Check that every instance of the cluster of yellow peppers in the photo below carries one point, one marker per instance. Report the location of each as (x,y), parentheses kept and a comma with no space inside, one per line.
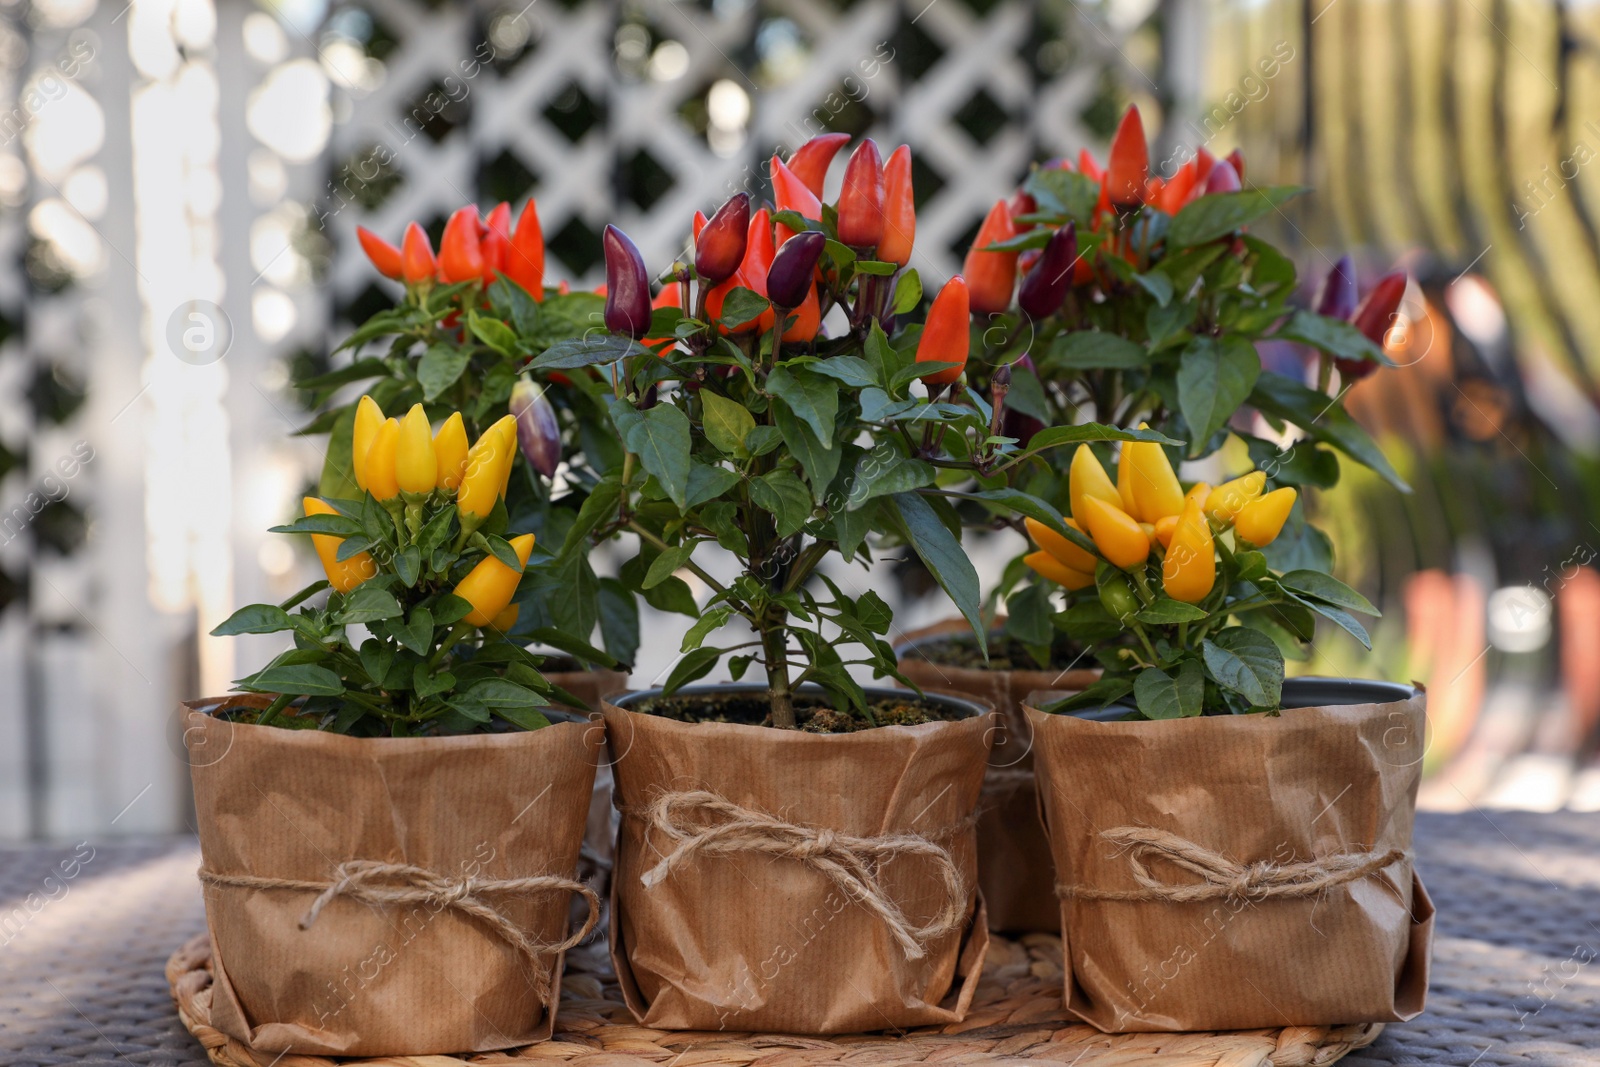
(403,464)
(1147,509)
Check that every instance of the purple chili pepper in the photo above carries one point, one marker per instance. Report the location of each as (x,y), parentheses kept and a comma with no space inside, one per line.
(627,286)
(789,277)
(1044,288)
(537,432)
(1337,298)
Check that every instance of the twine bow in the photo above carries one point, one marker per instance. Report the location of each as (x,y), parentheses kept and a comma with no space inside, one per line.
(388,884)
(1221,877)
(702,822)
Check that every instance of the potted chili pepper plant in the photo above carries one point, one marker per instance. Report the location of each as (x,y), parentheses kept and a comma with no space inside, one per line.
(827,827)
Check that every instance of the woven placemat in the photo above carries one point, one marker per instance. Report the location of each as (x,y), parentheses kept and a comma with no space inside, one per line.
(1016,1015)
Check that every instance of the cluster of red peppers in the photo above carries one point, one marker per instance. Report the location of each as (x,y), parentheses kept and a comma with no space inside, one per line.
(470,249)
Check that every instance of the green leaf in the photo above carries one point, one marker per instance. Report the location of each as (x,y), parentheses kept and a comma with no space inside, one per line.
(810,396)
(1096,350)
(694,665)
(875,266)
(786,496)
(301,679)
(1209,217)
(1333,336)
(851,370)
(1213,380)
(873,612)
(1161,696)
(417,633)
(668,563)
(818,460)
(449,609)
(439,368)
(743,306)
(1321,417)
(501,549)
(1157,285)
(1168,612)
(1097,695)
(579,649)
(1089,432)
(1247,662)
(619,621)
(726,422)
(588,351)
(470,706)
(1324,587)
(661,439)
(599,508)
(494,333)
(376,659)
(525,718)
(943,555)
(369,603)
(885,472)
(1064,192)
(1338,617)
(337,525)
(408,565)
(707,482)
(360,370)
(427,684)
(704,627)
(255,619)
(907,293)
(338,480)
(503,693)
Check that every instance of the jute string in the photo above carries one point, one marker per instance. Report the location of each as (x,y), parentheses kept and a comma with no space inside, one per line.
(1221,877)
(392,884)
(701,822)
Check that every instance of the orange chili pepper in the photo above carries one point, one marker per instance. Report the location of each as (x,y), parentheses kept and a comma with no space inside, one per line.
(947,334)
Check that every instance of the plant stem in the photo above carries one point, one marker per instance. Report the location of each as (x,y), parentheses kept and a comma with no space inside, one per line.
(457,632)
(279,702)
(694,568)
(776,652)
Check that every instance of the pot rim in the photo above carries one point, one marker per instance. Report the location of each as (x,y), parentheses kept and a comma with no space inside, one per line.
(969,707)
(1303,691)
(913,644)
(209,706)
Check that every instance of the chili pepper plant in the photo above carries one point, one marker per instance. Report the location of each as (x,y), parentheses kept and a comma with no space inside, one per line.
(748,428)
(459,339)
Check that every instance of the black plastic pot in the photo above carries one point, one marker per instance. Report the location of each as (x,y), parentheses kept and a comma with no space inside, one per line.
(964,709)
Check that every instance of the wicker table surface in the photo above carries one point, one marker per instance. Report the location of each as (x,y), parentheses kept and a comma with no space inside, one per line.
(1516,978)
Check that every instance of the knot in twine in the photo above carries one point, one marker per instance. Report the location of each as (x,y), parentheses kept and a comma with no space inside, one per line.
(703,822)
(389,884)
(1221,877)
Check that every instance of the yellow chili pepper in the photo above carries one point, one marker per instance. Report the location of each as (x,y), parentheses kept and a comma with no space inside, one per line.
(1060,547)
(506,619)
(382,479)
(1116,533)
(1152,481)
(1046,565)
(1149,529)
(1190,568)
(416,468)
(343,574)
(485,474)
(450,453)
(369,418)
(1259,521)
(1226,499)
(508,431)
(1125,480)
(1086,477)
(1164,528)
(490,585)
(1198,492)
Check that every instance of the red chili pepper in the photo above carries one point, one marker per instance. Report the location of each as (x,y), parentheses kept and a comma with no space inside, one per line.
(899,209)
(1374,318)
(1023,203)
(460,252)
(810,161)
(1026,260)
(416,256)
(861,198)
(1236,158)
(807,319)
(698,224)
(1337,298)
(1222,179)
(1088,167)
(758,254)
(1130,162)
(719,246)
(1203,162)
(1180,190)
(789,193)
(525,256)
(947,334)
(991,275)
(385,256)
(496,242)
(627,285)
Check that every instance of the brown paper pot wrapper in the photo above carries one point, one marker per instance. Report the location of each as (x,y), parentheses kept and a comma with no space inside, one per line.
(752,941)
(592,687)
(1014,867)
(1316,783)
(368,980)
